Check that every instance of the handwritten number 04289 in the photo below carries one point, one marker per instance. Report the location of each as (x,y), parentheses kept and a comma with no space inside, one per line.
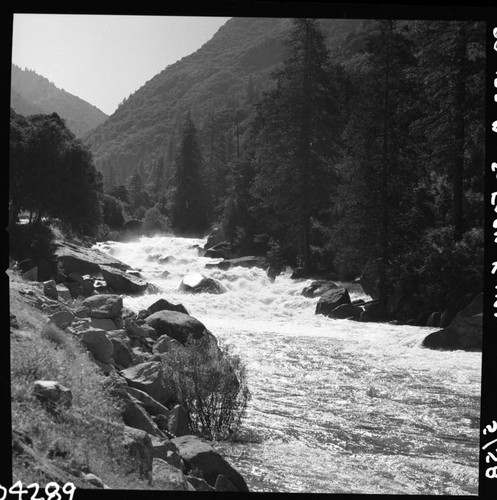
(51,489)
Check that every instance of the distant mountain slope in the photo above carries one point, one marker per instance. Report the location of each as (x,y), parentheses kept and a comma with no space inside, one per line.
(228,72)
(32,93)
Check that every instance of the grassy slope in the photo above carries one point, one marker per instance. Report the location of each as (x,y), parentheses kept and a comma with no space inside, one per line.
(85,438)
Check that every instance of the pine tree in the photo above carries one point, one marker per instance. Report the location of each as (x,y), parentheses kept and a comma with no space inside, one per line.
(300,124)
(135,189)
(188,214)
(451,55)
(379,172)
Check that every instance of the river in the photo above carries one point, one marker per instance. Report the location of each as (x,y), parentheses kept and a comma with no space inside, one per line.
(337,406)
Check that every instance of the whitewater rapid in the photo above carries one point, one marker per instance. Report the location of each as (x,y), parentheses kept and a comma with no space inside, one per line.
(337,406)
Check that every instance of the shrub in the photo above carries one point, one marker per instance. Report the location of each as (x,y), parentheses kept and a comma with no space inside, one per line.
(213,390)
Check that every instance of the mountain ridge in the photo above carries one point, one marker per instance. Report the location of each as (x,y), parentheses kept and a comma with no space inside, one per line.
(32,93)
(215,78)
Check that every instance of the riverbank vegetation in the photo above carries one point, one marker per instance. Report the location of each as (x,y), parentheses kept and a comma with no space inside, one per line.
(65,444)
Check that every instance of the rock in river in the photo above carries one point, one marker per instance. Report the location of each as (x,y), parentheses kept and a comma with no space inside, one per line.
(199,455)
(464,332)
(331,300)
(198,283)
(176,325)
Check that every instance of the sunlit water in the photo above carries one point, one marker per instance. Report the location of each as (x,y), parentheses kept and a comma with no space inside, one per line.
(337,406)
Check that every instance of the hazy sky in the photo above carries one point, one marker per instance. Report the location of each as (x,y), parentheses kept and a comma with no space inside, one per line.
(103,59)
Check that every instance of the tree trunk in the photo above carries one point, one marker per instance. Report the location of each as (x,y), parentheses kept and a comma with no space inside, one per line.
(383,288)
(458,166)
(305,155)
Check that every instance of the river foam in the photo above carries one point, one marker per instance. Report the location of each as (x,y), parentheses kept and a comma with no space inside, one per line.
(338,406)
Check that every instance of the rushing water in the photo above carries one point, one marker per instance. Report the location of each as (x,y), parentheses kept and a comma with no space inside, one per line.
(337,406)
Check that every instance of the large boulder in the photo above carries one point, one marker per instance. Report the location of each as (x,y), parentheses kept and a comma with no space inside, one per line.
(198,283)
(201,457)
(103,306)
(148,377)
(331,300)
(139,446)
(463,333)
(176,325)
(72,258)
(97,342)
(167,477)
(318,288)
(122,281)
(164,305)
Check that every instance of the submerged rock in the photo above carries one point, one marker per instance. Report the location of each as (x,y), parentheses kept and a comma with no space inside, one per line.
(198,283)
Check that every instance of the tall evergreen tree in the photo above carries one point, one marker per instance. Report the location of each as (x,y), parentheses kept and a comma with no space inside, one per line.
(188,214)
(452,59)
(300,124)
(383,171)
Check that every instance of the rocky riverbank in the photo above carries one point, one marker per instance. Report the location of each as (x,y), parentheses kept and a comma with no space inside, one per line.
(84,303)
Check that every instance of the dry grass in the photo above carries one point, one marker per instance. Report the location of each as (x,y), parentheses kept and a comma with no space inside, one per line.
(86,437)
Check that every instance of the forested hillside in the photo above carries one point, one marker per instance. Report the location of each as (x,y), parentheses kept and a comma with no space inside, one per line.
(31,93)
(218,84)
(342,147)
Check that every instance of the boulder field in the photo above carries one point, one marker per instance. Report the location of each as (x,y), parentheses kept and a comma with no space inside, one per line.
(129,349)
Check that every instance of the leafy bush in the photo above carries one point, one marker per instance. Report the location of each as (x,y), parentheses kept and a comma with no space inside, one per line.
(212,389)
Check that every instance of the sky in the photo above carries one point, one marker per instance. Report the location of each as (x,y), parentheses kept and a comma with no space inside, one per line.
(104,58)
